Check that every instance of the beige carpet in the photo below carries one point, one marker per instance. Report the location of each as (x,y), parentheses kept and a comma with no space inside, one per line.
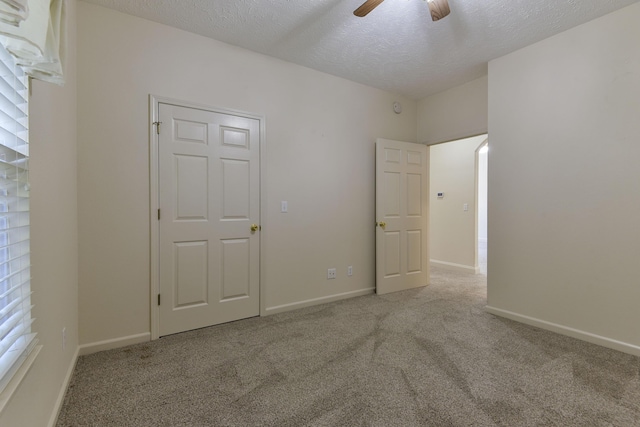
(427,357)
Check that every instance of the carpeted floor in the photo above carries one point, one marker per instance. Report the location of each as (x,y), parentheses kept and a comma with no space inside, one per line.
(427,357)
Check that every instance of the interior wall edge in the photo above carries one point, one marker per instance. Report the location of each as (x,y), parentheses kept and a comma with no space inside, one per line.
(455,266)
(63,389)
(563,181)
(318,301)
(456,113)
(110,344)
(459,135)
(566,330)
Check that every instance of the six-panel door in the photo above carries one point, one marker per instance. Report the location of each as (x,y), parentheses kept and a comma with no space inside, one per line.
(401,216)
(209,199)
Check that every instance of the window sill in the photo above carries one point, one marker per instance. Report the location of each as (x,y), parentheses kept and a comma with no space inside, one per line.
(14,383)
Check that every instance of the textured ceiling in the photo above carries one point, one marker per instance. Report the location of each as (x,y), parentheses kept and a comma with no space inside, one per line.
(396,47)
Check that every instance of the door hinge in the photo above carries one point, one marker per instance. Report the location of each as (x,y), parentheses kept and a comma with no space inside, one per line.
(158,299)
(158,214)
(157,127)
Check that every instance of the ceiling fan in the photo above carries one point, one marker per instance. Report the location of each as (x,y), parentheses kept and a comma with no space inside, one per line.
(439,8)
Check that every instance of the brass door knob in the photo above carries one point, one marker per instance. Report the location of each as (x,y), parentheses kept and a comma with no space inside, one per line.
(254,227)
(382,224)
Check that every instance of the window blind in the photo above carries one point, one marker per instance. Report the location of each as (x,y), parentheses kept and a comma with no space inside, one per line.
(16,338)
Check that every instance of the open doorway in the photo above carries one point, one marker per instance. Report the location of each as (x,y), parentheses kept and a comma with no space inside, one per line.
(457,205)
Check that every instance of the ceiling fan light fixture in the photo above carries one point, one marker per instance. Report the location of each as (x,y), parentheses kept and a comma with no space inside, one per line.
(439,9)
(366,7)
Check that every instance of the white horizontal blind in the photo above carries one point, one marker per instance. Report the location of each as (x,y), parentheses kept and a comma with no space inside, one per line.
(16,339)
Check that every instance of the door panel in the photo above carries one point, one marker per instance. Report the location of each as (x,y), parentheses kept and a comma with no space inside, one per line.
(414,195)
(191,131)
(192,271)
(236,189)
(208,182)
(391,194)
(402,216)
(414,251)
(235,137)
(192,190)
(235,269)
(392,254)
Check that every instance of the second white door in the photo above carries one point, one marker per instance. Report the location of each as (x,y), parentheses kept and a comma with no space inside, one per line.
(402,210)
(209,234)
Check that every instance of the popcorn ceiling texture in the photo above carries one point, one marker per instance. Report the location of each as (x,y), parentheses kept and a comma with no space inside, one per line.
(395,48)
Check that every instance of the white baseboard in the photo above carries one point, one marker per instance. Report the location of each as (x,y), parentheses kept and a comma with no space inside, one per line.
(454,265)
(63,390)
(114,343)
(564,330)
(317,301)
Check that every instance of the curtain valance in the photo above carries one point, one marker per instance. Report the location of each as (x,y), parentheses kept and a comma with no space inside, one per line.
(13,11)
(33,32)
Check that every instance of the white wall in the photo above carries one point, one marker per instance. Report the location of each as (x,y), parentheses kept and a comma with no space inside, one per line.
(54,247)
(452,230)
(453,114)
(564,235)
(321,132)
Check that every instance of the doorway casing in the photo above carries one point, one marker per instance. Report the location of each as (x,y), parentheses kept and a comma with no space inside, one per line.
(154,102)
(478,206)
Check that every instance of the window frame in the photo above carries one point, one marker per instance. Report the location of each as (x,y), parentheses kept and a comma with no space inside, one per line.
(18,343)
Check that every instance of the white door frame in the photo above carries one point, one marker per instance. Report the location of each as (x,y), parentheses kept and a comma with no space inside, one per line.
(476,227)
(154,105)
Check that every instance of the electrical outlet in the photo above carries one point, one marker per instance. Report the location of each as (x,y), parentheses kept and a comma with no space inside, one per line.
(64,338)
(350,271)
(331,273)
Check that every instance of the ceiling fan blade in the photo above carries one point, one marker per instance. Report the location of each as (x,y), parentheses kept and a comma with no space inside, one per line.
(367,7)
(439,9)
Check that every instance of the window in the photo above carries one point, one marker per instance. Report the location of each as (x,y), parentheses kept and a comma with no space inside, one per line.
(16,338)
